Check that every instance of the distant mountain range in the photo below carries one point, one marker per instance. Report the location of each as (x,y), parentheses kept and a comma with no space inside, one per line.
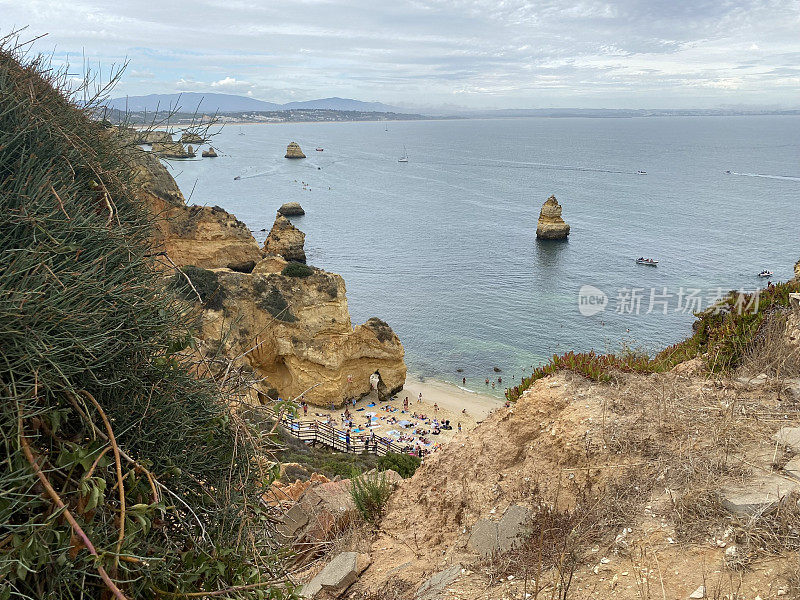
(189,102)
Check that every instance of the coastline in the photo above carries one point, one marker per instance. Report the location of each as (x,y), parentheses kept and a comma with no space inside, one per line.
(450,397)
(440,400)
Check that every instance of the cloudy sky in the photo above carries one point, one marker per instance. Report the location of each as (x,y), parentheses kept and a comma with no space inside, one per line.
(473,53)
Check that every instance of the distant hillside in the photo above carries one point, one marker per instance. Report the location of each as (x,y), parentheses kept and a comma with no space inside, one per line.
(188,102)
(341,104)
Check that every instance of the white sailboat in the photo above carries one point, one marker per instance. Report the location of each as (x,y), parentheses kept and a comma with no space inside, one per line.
(403,158)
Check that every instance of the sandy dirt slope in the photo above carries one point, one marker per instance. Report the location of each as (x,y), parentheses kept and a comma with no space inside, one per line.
(644,460)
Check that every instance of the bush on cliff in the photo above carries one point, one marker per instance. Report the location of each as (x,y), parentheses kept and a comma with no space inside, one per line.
(203,282)
(370,492)
(404,464)
(723,335)
(296,269)
(123,474)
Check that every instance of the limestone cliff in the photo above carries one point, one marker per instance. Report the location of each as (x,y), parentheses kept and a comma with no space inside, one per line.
(551,226)
(149,138)
(203,236)
(293,151)
(286,240)
(298,328)
(300,336)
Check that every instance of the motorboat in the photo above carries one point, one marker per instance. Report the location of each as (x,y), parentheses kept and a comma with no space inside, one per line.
(320,149)
(641,172)
(765,273)
(646,261)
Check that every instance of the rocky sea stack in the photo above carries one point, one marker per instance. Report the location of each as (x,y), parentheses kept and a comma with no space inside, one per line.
(293,151)
(286,240)
(191,138)
(551,226)
(148,138)
(172,150)
(291,209)
(210,153)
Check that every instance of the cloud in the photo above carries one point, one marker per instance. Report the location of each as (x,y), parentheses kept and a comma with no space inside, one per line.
(512,53)
(231,84)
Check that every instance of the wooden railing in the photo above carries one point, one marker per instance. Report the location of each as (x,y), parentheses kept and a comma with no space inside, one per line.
(317,432)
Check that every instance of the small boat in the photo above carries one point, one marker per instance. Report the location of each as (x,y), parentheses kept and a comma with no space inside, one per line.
(765,273)
(237,178)
(646,261)
(403,158)
(727,172)
(641,172)
(320,149)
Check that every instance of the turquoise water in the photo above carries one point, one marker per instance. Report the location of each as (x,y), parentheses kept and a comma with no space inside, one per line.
(443,247)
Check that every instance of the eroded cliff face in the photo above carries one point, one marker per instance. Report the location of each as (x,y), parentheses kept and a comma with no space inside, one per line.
(294,332)
(207,237)
(551,226)
(299,336)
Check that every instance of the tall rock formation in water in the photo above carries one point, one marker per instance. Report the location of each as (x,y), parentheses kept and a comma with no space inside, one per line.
(551,226)
(293,151)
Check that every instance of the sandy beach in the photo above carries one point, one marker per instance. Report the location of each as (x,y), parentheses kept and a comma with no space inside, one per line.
(441,401)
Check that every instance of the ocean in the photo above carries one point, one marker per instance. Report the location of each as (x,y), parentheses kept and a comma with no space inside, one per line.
(444,247)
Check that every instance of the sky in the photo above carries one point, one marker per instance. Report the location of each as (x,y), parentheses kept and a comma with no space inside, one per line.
(412,53)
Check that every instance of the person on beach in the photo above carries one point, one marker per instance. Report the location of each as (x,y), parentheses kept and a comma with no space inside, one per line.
(405,404)
(435,407)
(464,381)
(305,409)
(419,400)
(347,439)
(459,427)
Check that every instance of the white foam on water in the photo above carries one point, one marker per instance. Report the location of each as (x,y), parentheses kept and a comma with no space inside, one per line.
(782,177)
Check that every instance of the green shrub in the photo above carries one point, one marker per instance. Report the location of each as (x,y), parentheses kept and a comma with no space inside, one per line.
(271,300)
(90,342)
(370,493)
(724,332)
(404,464)
(297,269)
(204,281)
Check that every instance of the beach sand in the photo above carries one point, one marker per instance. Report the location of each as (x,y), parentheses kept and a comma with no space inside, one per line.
(450,399)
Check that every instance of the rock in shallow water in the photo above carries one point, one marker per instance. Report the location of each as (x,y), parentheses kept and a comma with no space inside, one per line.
(291,209)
